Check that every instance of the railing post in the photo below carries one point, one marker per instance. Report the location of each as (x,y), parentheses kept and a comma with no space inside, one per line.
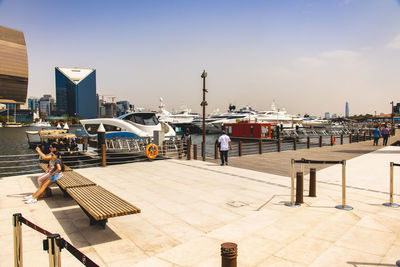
(299,188)
(365,136)
(54,250)
(331,140)
(391,204)
(216,151)
(358,137)
(320,141)
(17,237)
(308,142)
(350,138)
(188,149)
(103,155)
(279,145)
(344,206)
(180,148)
(341,139)
(164,148)
(313,183)
(260,147)
(292,170)
(228,254)
(240,148)
(195,152)
(370,134)
(294,143)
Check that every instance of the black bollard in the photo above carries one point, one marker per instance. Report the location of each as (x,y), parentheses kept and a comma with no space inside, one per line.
(313,183)
(299,188)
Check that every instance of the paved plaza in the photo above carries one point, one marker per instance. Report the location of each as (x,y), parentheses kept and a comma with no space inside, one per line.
(190,207)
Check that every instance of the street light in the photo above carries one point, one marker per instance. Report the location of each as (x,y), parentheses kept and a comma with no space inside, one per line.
(204,104)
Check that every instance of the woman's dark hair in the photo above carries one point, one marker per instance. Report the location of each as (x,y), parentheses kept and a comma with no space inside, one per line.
(58,154)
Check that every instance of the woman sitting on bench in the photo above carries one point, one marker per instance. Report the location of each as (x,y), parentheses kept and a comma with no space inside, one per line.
(55,174)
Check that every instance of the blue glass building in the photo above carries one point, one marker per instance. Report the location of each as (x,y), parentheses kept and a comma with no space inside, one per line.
(76,92)
(347,110)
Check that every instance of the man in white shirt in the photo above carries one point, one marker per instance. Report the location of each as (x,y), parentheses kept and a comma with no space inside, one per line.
(224,144)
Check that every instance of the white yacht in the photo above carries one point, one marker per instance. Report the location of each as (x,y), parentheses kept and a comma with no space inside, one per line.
(307,122)
(180,119)
(40,123)
(133,124)
(278,116)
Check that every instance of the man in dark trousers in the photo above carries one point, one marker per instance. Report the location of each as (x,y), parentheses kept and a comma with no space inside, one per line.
(186,138)
(224,144)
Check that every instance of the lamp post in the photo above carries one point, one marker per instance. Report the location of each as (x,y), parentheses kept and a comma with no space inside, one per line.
(204,104)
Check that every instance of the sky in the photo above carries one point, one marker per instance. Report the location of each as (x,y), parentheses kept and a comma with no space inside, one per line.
(309,56)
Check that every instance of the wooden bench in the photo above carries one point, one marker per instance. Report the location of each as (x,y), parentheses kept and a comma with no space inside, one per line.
(100,204)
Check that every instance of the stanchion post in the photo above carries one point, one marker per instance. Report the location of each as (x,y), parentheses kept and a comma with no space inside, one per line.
(308,142)
(260,147)
(229,254)
(299,188)
(54,250)
(17,237)
(391,204)
(313,183)
(195,152)
(294,143)
(344,206)
(341,139)
(103,155)
(188,149)
(240,148)
(292,171)
(320,141)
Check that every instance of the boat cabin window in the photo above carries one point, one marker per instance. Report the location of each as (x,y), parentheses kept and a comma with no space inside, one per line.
(111,128)
(92,128)
(143,118)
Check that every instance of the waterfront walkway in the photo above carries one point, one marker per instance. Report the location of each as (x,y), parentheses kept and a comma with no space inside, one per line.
(190,207)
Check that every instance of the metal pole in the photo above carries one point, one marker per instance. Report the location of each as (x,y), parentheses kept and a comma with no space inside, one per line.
(188,149)
(204,104)
(313,183)
(391,204)
(228,255)
(103,155)
(344,206)
(54,250)
(392,117)
(17,237)
(292,171)
(240,148)
(308,142)
(195,152)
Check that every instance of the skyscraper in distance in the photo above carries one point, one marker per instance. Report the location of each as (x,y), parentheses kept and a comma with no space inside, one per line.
(347,110)
(76,92)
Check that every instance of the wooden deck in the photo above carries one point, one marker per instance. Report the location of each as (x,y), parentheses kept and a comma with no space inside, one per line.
(279,162)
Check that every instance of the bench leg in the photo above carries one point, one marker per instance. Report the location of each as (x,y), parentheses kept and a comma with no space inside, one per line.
(93,221)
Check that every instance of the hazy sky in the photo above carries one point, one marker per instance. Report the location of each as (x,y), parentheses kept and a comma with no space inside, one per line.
(310,56)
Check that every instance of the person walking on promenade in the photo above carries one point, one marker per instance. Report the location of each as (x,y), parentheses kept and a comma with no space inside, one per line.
(385,134)
(55,174)
(376,134)
(51,157)
(224,144)
(186,138)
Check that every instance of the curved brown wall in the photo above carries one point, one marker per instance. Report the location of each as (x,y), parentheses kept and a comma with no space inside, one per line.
(13,65)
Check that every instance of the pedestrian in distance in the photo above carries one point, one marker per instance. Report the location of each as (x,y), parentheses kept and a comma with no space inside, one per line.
(54,175)
(186,139)
(385,135)
(376,133)
(224,144)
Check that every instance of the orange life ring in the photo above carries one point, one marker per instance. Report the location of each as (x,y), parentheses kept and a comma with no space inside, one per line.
(333,139)
(151,151)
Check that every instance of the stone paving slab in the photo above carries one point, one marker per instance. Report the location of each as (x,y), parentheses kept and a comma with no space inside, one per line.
(190,207)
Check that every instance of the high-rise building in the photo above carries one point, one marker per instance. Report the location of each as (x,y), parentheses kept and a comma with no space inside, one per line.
(46,105)
(13,67)
(33,104)
(123,107)
(347,110)
(327,115)
(76,92)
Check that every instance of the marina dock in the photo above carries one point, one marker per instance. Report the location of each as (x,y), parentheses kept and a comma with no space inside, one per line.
(190,207)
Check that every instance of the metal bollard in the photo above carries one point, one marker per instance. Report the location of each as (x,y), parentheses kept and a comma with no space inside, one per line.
(341,139)
(260,147)
(51,244)
(299,188)
(350,137)
(188,150)
(313,183)
(391,204)
(308,142)
(344,206)
(294,143)
(240,148)
(103,155)
(17,237)
(279,145)
(195,152)
(292,170)
(228,254)
(320,141)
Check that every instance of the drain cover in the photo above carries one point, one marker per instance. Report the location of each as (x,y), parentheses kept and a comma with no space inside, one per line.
(237,204)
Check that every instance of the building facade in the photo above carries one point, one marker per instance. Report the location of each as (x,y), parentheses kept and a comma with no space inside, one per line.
(76,92)
(347,110)
(13,66)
